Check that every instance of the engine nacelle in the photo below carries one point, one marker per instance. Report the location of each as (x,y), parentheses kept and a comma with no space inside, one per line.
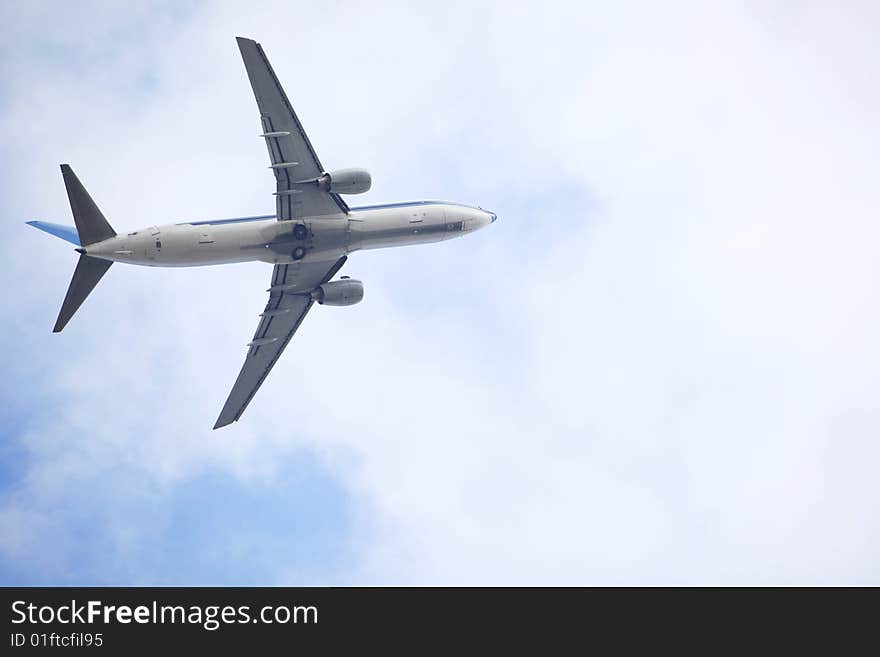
(346,181)
(344,292)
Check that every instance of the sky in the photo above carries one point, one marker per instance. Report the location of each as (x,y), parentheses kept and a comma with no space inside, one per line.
(659,366)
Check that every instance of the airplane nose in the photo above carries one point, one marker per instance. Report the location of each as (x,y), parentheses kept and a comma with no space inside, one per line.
(492,217)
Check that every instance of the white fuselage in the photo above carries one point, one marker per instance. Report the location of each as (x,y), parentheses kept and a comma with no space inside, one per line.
(263,238)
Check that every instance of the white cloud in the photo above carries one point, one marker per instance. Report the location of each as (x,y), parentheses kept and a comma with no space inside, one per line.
(658,366)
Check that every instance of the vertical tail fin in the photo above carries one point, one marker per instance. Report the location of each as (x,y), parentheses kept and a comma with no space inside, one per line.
(90,222)
(92,227)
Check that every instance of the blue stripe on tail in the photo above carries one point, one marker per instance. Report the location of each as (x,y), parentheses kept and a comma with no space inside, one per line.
(67,233)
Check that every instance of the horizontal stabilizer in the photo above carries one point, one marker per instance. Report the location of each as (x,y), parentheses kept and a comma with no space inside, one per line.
(85,277)
(90,222)
(67,233)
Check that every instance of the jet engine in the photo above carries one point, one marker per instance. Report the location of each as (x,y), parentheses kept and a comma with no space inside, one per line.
(345,181)
(344,292)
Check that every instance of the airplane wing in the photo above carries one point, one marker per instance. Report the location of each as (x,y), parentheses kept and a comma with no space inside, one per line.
(289,302)
(292,156)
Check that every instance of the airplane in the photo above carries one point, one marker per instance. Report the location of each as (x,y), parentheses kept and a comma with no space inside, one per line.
(308,239)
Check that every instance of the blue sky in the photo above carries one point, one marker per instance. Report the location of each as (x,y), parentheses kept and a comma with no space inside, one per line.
(658,366)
